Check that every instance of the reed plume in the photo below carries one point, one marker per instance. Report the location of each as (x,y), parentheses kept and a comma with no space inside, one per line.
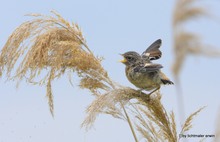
(188,42)
(50,47)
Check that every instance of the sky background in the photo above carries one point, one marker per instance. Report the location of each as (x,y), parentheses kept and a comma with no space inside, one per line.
(110,27)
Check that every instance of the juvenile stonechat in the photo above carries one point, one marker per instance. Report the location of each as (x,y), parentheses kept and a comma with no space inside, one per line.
(141,72)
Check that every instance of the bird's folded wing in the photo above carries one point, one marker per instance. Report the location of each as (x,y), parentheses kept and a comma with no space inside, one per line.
(149,67)
(153,52)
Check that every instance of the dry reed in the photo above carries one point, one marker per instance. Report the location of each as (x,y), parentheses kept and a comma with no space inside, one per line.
(51,44)
(188,123)
(186,42)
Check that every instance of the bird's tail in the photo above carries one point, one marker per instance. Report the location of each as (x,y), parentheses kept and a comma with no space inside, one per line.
(164,79)
(167,82)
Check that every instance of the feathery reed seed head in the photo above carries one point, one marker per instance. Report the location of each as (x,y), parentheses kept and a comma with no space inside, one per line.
(49,42)
(186,42)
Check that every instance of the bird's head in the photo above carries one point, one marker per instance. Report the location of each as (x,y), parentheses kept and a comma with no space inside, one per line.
(130,58)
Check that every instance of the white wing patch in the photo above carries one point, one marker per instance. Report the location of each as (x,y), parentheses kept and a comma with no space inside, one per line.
(147,64)
(147,54)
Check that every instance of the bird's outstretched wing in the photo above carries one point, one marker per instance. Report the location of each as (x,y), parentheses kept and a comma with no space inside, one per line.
(153,52)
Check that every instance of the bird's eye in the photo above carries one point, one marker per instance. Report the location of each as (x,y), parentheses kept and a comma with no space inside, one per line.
(130,58)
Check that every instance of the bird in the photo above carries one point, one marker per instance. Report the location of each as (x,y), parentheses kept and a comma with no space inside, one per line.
(140,70)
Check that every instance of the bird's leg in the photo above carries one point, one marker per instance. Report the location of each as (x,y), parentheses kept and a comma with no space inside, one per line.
(154,91)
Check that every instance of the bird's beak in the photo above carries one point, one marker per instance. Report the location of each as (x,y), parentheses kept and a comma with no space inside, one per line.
(123,61)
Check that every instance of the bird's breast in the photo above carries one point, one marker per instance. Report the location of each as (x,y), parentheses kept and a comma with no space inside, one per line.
(147,81)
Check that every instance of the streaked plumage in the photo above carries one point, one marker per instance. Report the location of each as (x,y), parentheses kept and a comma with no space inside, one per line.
(141,72)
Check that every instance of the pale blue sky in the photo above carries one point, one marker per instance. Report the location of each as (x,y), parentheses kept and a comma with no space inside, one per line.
(110,27)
